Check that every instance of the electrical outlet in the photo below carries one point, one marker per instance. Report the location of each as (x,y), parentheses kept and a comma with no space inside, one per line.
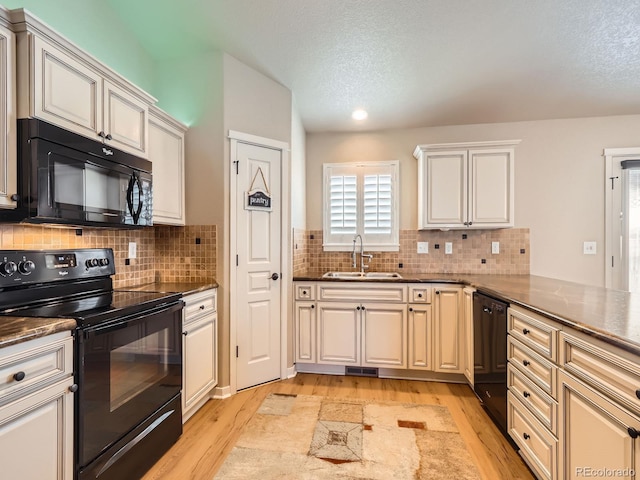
(423,247)
(589,248)
(133,247)
(495,247)
(448,248)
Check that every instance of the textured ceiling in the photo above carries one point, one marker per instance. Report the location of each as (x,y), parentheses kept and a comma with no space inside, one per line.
(416,63)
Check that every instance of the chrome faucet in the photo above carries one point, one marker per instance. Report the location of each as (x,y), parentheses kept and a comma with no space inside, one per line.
(362,255)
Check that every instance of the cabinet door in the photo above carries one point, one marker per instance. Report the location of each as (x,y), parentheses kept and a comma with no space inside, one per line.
(166,151)
(199,360)
(420,337)
(305,332)
(595,434)
(491,180)
(468,334)
(448,329)
(8,175)
(125,120)
(65,92)
(444,189)
(384,335)
(338,333)
(36,435)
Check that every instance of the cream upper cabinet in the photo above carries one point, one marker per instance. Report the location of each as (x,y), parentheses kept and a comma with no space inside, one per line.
(166,152)
(466,185)
(8,136)
(448,329)
(71,89)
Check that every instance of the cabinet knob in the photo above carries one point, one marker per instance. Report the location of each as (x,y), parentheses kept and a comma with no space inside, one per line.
(18,377)
(101,134)
(313,306)
(638,393)
(470,223)
(201,307)
(526,394)
(108,137)
(526,436)
(73,388)
(633,433)
(410,309)
(437,292)
(419,295)
(466,223)
(526,363)
(185,333)
(363,307)
(358,308)
(526,331)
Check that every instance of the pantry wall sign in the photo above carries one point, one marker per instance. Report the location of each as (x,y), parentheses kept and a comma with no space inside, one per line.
(258,198)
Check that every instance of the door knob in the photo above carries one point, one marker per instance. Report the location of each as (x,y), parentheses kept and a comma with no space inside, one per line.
(275,276)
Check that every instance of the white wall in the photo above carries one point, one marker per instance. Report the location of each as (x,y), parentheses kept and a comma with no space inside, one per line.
(559,180)
(298,171)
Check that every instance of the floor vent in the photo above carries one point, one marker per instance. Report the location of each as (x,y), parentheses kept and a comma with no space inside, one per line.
(362,371)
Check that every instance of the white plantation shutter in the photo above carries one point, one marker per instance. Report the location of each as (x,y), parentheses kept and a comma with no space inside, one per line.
(361,199)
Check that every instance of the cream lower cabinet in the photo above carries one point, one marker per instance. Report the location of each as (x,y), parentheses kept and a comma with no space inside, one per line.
(70,89)
(448,328)
(339,333)
(305,332)
(420,320)
(36,412)
(200,334)
(8,135)
(166,152)
(596,434)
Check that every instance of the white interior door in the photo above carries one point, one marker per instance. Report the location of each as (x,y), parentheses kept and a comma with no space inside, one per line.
(258,249)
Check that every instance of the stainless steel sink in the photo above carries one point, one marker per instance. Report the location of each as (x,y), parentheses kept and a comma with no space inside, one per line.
(362,276)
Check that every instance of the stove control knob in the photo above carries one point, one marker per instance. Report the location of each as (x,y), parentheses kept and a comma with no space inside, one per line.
(26,267)
(92,262)
(104,262)
(8,268)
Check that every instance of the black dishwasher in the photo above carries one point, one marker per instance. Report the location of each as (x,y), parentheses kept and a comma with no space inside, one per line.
(490,356)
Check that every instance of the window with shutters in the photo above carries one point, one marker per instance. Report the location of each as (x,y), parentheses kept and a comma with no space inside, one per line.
(361,199)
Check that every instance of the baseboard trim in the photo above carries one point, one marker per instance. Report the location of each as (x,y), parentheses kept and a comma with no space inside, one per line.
(318,368)
(220,393)
(291,371)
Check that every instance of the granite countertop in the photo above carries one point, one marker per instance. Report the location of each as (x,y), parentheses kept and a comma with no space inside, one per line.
(22,329)
(185,288)
(610,315)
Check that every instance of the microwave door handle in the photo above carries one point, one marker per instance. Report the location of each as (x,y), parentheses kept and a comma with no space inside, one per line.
(136,214)
(130,194)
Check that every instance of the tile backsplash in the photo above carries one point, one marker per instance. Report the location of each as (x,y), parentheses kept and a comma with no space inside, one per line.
(157,249)
(471,253)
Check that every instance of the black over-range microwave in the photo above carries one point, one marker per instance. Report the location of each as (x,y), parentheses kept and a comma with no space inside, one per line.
(65,178)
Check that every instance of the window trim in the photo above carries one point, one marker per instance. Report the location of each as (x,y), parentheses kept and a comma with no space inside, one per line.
(394,244)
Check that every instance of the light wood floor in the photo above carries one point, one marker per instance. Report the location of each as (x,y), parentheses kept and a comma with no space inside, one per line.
(210,434)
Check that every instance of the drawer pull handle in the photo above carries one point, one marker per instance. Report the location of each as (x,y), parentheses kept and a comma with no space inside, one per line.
(526,436)
(18,377)
(201,307)
(526,394)
(73,388)
(526,331)
(526,363)
(633,433)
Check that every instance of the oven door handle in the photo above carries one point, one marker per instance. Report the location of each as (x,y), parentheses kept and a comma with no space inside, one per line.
(124,322)
(123,451)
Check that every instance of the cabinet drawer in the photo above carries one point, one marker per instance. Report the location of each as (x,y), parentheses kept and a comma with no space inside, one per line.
(305,291)
(419,294)
(539,370)
(538,446)
(198,304)
(534,331)
(537,402)
(39,362)
(617,375)
(369,292)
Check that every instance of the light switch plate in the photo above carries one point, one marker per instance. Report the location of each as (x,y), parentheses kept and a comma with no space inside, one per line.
(495,247)
(448,248)
(423,247)
(589,248)
(133,249)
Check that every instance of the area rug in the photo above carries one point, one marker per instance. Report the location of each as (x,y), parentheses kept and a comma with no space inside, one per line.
(314,437)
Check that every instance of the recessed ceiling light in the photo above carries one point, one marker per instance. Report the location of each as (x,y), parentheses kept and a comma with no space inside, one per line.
(359,114)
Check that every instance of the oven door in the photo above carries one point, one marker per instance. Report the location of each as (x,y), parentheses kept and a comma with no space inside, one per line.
(127,369)
(79,188)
